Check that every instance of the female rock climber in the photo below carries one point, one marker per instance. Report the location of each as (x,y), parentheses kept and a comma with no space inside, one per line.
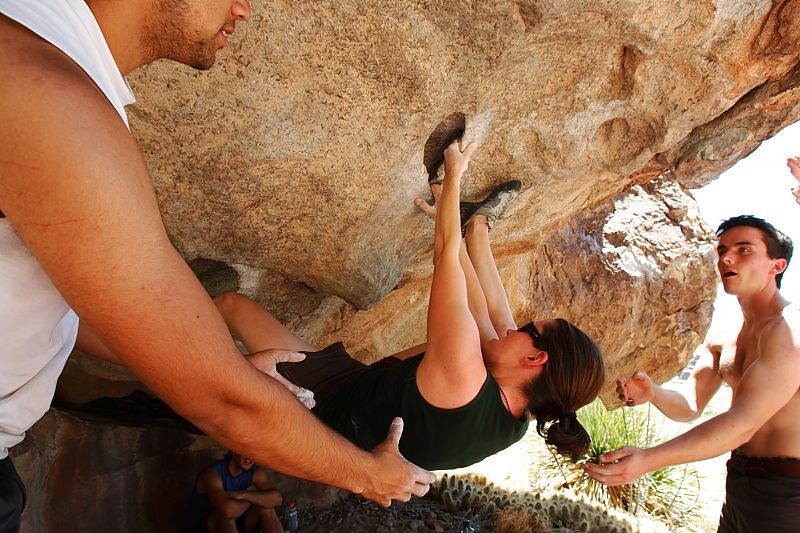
(470,390)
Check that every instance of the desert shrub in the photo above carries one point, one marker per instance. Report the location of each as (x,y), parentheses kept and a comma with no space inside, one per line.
(669,494)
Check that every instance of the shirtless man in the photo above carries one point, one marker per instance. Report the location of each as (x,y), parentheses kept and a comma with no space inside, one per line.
(81,236)
(762,365)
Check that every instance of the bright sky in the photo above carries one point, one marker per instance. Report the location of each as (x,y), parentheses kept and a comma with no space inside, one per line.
(760,185)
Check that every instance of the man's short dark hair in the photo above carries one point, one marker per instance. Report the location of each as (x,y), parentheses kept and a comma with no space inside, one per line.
(779,245)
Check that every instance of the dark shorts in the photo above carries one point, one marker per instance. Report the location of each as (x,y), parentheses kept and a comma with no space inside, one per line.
(761,496)
(12,497)
(329,370)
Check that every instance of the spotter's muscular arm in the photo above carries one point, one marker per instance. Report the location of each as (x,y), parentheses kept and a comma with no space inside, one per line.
(75,187)
(767,385)
(682,405)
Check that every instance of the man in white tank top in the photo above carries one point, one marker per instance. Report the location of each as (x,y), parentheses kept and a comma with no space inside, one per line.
(81,235)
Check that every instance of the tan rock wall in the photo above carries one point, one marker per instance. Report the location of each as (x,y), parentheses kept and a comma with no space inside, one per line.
(88,477)
(302,150)
(91,477)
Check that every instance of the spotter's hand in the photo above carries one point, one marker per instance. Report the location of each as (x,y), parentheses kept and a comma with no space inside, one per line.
(266,360)
(635,389)
(620,467)
(394,478)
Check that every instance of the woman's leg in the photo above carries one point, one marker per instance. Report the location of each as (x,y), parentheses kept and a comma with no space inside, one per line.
(255,327)
(480,255)
(476,298)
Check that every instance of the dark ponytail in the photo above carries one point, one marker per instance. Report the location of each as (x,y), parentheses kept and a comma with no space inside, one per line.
(568,436)
(573,376)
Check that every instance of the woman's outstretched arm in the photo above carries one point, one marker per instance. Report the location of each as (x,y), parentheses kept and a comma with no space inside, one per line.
(452,372)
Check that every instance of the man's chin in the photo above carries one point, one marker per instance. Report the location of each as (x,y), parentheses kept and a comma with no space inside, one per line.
(728,288)
(204,64)
(203,58)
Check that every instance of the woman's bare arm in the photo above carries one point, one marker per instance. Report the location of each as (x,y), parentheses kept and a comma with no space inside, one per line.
(452,372)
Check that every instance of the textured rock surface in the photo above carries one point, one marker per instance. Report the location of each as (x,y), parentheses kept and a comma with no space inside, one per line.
(638,274)
(302,151)
(294,161)
(86,477)
(736,133)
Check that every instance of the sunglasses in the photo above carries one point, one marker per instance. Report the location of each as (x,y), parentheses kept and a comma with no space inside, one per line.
(531,329)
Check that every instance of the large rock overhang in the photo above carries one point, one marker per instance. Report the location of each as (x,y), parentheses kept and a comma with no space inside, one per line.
(296,159)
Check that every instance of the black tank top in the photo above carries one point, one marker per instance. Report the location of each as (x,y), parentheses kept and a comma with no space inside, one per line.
(433,438)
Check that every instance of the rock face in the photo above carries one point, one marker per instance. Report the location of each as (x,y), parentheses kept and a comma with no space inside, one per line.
(335,115)
(289,170)
(310,133)
(86,477)
(637,274)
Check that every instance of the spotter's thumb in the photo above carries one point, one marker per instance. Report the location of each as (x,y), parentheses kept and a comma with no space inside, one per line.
(395,432)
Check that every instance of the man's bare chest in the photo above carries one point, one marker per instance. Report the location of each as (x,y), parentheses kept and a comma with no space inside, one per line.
(732,360)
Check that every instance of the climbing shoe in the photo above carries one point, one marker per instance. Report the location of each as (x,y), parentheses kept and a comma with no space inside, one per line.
(494,204)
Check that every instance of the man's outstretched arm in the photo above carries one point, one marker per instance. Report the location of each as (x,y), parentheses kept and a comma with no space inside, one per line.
(766,386)
(682,405)
(76,189)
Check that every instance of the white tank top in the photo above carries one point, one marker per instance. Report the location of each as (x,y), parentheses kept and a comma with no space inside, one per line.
(37,326)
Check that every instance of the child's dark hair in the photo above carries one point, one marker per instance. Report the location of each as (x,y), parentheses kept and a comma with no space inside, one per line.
(779,245)
(573,376)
